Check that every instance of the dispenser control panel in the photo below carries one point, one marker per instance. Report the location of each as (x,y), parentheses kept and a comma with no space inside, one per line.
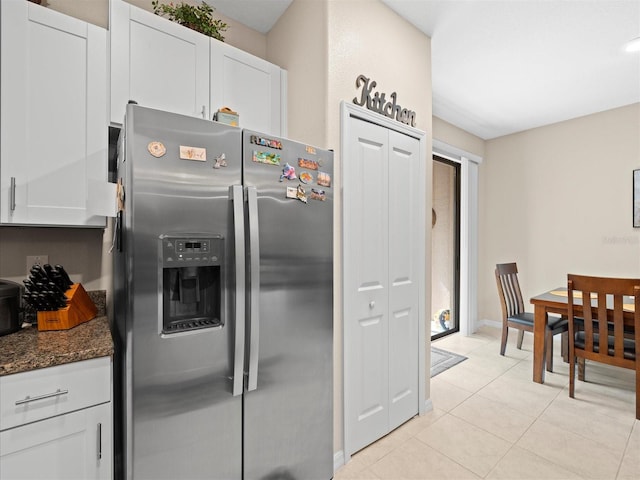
(189,251)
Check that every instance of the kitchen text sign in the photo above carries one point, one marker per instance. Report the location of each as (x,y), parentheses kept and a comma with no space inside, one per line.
(378,103)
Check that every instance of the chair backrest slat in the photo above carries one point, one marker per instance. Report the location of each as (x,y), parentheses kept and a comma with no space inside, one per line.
(606,319)
(618,326)
(509,289)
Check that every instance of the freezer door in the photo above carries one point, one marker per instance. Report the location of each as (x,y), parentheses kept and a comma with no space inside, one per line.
(288,415)
(181,417)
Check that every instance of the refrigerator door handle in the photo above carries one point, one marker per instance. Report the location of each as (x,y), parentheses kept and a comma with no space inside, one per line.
(240,277)
(254,313)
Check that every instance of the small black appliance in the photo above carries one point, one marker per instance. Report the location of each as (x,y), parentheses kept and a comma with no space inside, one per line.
(10,293)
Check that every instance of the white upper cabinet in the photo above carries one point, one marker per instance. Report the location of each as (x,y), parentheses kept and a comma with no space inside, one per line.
(157,63)
(250,86)
(161,64)
(54,116)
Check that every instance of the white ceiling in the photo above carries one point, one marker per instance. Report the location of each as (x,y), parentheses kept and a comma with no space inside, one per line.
(503,66)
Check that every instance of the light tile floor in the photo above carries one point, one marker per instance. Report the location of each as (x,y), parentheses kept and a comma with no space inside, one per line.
(489,420)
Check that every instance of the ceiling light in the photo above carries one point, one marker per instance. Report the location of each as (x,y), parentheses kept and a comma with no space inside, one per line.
(633,45)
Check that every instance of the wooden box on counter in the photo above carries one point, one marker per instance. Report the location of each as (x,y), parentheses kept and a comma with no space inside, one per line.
(79,309)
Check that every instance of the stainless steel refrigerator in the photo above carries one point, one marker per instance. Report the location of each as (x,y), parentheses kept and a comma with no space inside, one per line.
(222,302)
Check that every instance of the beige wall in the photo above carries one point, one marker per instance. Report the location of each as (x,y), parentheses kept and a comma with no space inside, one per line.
(82,251)
(557,200)
(298,43)
(325,45)
(456,137)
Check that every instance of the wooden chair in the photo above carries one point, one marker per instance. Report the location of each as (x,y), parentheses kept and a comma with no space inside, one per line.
(619,346)
(514,316)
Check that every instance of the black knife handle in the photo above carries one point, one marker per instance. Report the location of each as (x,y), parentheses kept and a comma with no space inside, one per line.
(64,274)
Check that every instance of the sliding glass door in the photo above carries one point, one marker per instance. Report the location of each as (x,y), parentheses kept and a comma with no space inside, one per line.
(445,248)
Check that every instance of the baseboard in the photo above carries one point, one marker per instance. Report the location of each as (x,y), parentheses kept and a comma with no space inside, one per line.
(489,323)
(338,460)
(428,405)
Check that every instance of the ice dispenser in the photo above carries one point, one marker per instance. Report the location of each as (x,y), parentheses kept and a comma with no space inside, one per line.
(192,282)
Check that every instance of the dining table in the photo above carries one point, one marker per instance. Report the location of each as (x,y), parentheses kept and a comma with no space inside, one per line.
(556,301)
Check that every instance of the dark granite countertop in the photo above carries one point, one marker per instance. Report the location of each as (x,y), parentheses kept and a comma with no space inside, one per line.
(30,349)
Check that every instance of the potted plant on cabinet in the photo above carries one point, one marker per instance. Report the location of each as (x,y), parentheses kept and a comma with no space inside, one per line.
(196,17)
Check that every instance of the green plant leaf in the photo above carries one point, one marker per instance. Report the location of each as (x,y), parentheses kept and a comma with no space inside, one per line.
(196,17)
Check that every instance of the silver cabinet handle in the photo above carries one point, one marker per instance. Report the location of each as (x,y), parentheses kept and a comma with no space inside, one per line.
(99,441)
(238,225)
(204,111)
(254,312)
(28,399)
(13,194)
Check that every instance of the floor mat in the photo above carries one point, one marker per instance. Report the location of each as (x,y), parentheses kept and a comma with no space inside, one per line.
(442,360)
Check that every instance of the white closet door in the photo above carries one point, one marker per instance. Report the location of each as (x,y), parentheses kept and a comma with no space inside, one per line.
(404,243)
(366,289)
(383,280)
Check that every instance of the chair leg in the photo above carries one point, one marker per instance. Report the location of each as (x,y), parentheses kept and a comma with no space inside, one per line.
(581,369)
(548,350)
(572,375)
(564,347)
(505,334)
(520,337)
(637,390)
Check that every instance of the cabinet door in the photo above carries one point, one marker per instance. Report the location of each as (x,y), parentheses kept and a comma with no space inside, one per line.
(157,63)
(73,446)
(54,116)
(248,85)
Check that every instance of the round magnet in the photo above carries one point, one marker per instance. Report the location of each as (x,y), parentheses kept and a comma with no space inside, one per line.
(306,177)
(157,149)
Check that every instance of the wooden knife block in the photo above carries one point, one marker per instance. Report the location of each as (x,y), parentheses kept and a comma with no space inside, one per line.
(79,309)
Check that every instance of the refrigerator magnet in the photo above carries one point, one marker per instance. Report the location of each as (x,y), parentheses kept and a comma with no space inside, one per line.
(221,161)
(309,164)
(297,193)
(306,177)
(318,195)
(267,158)
(157,149)
(193,153)
(288,172)
(310,150)
(266,142)
(292,192)
(301,194)
(324,179)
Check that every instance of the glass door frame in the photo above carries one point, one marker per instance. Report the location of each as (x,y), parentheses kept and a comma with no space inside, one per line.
(456,263)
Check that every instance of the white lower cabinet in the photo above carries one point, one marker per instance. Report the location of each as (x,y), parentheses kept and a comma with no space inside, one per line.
(57,422)
(77,445)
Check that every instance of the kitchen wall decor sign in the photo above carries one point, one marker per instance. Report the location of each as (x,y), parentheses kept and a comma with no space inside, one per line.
(378,103)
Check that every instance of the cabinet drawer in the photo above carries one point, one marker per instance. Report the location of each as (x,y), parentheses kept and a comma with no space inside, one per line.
(39,394)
